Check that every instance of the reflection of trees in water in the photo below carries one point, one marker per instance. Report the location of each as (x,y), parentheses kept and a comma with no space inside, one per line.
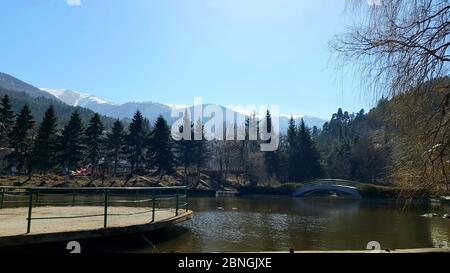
(325,207)
(392,227)
(280,223)
(314,229)
(262,204)
(439,232)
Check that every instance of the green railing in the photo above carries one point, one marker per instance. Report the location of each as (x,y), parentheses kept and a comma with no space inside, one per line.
(150,197)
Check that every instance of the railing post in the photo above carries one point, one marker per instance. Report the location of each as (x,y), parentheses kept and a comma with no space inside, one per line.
(105,219)
(176,208)
(153,205)
(30,206)
(3,197)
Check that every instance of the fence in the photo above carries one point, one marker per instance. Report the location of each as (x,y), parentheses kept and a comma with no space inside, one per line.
(151,197)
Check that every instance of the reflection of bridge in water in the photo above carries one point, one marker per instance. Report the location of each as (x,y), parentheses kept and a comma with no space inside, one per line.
(321,186)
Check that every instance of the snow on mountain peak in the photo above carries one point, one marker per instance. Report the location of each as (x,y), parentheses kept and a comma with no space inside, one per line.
(75,98)
(152,110)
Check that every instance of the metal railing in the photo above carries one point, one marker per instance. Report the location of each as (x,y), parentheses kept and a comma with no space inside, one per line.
(328,181)
(151,197)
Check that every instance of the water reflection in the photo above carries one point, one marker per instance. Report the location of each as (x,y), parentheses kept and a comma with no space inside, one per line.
(281,223)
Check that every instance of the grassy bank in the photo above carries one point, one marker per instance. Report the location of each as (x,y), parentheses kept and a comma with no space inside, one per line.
(286,189)
(377,191)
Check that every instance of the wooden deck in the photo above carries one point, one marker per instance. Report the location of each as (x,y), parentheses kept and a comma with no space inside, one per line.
(121,220)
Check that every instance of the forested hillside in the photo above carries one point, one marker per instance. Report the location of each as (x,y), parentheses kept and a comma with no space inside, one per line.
(393,143)
(38,106)
(404,140)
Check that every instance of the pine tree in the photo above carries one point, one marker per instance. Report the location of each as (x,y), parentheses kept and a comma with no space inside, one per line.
(314,157)
(270,157)
(201,154)
(70,144)
(21,139)
(292,150)
(161,147)
(136,141)
(252,133)
(184,147)
(115,144)
(45,142)
(6,120)
(339,161)
(146,126)
(94,141)
(308,157)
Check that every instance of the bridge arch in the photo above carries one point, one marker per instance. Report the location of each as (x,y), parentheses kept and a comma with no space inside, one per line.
(328,185)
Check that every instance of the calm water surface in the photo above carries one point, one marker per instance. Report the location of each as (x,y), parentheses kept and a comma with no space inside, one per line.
(281,223)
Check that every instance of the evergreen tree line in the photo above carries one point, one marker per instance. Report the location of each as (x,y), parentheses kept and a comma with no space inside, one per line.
(41,148)
(341,149)
(297,157)
(349,146)
(354,146)
(38,106)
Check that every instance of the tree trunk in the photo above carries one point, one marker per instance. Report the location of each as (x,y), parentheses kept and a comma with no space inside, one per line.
(44,177)
(66,173)
(115,168)
(29,168)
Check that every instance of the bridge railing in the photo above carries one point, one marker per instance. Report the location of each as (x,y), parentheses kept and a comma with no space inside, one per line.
(340,186)
(153,198)
(327,181)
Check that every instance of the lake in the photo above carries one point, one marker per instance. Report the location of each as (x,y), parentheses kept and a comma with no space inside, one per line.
(279,223)
(266,223)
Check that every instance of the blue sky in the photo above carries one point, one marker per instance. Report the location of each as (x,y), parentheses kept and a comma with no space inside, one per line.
(231,52)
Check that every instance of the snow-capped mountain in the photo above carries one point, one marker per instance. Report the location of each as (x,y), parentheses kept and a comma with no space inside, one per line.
(75,98)
(151,110)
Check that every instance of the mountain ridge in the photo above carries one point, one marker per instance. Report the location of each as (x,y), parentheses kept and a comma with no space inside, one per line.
(152,110)
(9,82)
